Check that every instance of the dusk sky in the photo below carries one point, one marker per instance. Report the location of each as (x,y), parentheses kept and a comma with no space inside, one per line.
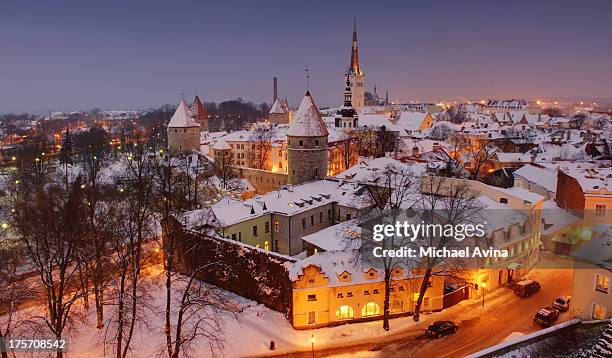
(68,55)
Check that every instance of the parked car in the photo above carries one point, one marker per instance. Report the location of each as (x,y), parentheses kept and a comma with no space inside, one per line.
(562,303)
(546,316)
(441,328)
(526,288)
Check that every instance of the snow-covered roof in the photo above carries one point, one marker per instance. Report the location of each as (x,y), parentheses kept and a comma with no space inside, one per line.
(290,200)
(523,194)
(307,121)
(368,170)
(182,117)
(277,107)
(542,176)
(221,144)
(410,121)
(337,237)
(598,250)
(555,217)
(513,157)
(334,263)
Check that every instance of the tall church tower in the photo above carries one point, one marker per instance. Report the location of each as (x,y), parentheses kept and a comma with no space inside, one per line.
(307,144)
(355,74)
(346,116)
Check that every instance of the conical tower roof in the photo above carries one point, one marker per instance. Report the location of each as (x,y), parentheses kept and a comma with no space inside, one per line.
(198,109)
(183,117)
(307,121)
(277,107)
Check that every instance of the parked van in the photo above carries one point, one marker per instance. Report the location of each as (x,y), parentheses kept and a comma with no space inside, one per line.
(526,288)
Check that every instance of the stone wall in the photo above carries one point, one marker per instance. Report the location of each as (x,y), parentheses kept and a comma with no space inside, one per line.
(183,139)
(247,271)
(264,181)
(308,161)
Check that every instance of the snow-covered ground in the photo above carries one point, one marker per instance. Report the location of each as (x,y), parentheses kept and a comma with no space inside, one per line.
(247,334)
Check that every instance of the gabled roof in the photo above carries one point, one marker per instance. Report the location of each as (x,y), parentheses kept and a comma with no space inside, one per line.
(221,144)
(182,118)
(307,121)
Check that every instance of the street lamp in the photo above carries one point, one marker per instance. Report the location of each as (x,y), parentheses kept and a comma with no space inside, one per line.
(312,340)
(483,285)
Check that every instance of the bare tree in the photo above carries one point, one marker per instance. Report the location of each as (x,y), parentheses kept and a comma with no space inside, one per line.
(196,308)
(13,288)
(94,257)
(440,131)
(389,191)
(134,225)
(480,155)
(348,150)
(261,140)
(49,222)
(450,202)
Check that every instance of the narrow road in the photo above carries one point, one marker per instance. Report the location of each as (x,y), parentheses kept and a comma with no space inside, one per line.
(479,327)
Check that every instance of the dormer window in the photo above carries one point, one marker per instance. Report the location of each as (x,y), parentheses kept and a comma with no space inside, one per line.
(503,200)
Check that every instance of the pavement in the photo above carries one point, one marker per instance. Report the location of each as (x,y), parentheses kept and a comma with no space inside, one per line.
(480,327)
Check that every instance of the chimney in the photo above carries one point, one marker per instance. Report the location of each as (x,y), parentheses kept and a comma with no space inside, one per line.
(275,90)
(436,146)
(415,151)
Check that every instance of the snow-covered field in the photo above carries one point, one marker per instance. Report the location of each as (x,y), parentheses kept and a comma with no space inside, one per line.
(247,334)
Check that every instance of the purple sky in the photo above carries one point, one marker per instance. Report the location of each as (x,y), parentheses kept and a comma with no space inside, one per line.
(65,55)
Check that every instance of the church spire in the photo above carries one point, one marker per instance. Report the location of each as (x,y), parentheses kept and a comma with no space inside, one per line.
(348,101)
(354,67)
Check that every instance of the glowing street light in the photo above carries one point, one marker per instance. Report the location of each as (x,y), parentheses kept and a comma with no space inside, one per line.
(312,340)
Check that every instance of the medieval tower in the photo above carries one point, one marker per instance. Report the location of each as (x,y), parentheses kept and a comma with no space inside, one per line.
(355,74)
(307,144)
(183,130)
(199,114)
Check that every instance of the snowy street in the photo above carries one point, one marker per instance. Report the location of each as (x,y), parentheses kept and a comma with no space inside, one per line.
(504,314)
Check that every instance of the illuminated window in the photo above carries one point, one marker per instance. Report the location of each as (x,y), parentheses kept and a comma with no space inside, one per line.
(599,312)
(602,283)
(267,245)
(344,312)
(276,226)
(311,317)
(600,210)
(370,309)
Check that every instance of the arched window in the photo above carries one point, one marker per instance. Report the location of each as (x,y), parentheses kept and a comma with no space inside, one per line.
(370,309)
(344,312)
(397,306)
